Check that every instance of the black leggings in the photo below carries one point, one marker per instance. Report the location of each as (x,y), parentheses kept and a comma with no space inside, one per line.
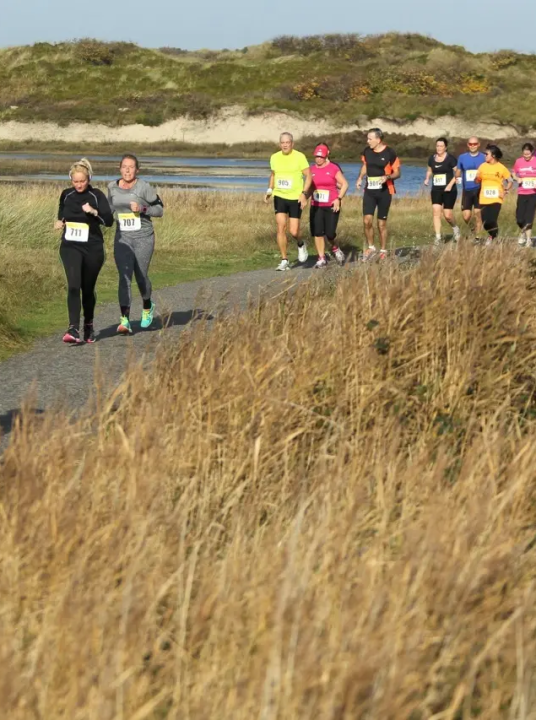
(490,218)
(82,263)
(526,208)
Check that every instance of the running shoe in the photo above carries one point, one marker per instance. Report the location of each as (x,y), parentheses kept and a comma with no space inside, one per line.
(321,262)
(124,326)
(302,253)
(147,316)
(369,253)
(89,333)
(383,254)
(339,255)
(456,234)
(489,241)
(72,335)
(438,240)
(283,265)
(522,240)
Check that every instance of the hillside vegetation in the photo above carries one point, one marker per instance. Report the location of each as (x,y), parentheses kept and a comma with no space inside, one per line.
(402,76)
(263,525)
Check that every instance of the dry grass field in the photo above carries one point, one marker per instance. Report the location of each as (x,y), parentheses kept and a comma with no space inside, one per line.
(323,508)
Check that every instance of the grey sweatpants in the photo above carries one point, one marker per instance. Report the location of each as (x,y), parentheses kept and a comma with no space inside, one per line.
(133,257)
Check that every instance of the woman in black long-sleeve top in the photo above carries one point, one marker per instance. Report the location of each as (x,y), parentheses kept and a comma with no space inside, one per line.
(82,212)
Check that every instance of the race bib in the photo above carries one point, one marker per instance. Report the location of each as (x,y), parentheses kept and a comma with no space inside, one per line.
(528,183)
(374,183)
(128,222)
(76,232)
(440,180)
(470,175)
(321,196)
(283,183)
(491,193)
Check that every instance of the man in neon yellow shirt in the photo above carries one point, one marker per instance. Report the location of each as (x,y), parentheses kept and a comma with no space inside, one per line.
(289,168)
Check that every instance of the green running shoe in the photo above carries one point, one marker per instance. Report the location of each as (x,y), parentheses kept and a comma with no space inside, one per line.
(147,316)
(124,326)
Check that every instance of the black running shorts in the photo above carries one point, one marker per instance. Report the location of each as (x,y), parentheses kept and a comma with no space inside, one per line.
(470,199)
(288,207)
(447,199)
(323,221)
(380,201)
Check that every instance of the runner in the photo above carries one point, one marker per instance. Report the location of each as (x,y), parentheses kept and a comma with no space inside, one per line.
(441,167)
(328,187)
(286,184)
(491,177)
(382,167)
(135,203)
(524,173)
(468,164)
(82,211)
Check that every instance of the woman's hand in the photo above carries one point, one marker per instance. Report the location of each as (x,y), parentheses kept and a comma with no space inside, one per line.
(135,207)
(90,210)
(59,224)
(336,205)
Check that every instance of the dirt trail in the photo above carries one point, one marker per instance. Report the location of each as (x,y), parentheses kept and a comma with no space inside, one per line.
(57,376)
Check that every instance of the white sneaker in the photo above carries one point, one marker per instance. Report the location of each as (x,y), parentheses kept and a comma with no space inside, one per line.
(369,253)
(302,253)
(529,241)
(456,233)
(339,256)
(522,240)
(321,262)
(283,265)
(489,242)
(438,240)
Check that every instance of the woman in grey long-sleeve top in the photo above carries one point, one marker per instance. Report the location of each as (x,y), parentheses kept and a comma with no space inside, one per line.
(135,202)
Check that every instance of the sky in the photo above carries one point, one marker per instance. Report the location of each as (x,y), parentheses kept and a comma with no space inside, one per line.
(479,25)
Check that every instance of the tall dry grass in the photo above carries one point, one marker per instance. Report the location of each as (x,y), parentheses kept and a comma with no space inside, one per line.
(323,508)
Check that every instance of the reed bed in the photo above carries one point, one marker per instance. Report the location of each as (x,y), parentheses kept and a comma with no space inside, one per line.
(321,508)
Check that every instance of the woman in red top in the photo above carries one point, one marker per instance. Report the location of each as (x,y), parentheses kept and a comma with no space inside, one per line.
(328,187)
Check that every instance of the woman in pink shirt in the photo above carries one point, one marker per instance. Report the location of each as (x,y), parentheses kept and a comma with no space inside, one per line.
(524,173)
(327,189)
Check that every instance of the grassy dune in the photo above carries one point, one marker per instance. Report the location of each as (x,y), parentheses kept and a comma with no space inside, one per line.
(202,234)
(321,509)
(400,75)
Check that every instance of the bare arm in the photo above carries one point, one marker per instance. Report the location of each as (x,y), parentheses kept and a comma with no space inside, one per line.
(270,189)
(362,174)
(342,184)
(306,187)
(453,181)
(428,175)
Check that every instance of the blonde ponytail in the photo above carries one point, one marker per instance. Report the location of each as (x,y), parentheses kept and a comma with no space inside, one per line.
(83,166)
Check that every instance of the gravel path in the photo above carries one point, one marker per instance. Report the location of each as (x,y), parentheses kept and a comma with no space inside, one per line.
(53,375)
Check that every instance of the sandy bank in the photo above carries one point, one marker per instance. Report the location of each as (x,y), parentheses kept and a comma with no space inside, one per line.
(233,125)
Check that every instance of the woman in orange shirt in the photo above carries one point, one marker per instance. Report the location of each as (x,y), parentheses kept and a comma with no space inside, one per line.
(492,175)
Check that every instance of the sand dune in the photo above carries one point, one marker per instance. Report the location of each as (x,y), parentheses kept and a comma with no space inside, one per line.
(234,125)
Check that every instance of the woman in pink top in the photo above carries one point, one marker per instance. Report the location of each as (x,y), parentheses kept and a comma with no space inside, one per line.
(524,173)
(327,189)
